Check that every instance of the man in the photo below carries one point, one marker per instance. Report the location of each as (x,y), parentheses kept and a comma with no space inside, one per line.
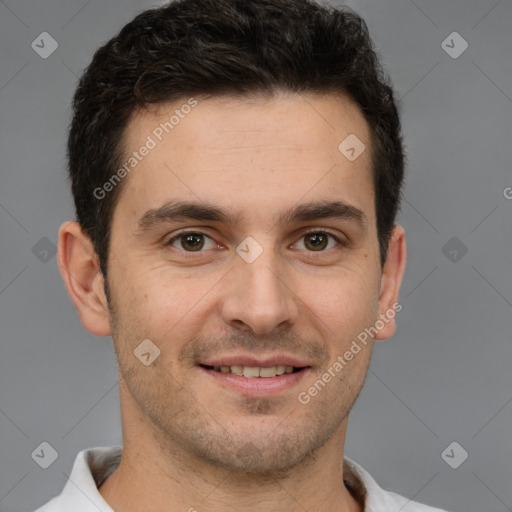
(236,168)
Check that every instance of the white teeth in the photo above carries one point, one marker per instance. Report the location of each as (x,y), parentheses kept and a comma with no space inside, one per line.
(268,372)
(280,369)
(237,370)
(252,372)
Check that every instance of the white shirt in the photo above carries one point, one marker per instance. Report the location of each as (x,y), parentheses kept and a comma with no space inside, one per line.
(93,466)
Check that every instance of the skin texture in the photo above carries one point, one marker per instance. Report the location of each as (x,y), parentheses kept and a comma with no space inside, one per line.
(188,440)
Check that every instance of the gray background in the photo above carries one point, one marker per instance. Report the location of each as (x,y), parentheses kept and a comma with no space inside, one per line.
(444,377)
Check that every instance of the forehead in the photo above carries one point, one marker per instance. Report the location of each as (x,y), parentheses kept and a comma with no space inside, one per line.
(245,152)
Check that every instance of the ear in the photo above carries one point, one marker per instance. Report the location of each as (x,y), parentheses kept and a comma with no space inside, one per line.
(79,266)
(391,280)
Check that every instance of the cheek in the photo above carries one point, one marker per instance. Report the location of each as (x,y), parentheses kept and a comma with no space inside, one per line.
(156,306)
(345,305)
(135,299)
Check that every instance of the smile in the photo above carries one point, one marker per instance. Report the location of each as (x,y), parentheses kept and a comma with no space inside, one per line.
(253,372)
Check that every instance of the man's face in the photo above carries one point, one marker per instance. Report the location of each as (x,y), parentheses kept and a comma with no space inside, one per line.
(257,289)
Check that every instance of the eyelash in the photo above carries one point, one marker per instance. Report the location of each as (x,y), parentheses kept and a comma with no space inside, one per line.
(191,253)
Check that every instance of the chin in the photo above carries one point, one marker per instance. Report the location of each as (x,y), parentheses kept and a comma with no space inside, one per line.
(267,456)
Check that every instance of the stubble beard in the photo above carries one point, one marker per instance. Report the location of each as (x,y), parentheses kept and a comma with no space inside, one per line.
(186,431)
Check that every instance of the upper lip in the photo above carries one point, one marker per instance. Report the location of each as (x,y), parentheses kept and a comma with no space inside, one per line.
(255,361)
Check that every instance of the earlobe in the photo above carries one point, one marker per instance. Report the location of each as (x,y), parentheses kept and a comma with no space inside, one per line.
(78,264)
(391,280)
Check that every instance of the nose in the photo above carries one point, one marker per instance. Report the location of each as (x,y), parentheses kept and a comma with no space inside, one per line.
(259,296)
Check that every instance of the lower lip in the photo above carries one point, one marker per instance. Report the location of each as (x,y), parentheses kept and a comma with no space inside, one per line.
(257,386)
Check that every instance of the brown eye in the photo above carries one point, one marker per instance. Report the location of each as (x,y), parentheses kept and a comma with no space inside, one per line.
(191,242)
(318,241)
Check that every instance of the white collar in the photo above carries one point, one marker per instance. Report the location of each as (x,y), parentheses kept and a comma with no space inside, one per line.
(94,465)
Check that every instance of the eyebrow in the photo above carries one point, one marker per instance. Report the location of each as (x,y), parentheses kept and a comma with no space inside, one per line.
(175,211)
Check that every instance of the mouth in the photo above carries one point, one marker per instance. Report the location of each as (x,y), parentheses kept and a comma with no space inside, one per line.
(255,376)
(254,372)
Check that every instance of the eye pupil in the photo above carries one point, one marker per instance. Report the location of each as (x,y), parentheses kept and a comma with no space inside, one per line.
(317,240)
(195,242)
